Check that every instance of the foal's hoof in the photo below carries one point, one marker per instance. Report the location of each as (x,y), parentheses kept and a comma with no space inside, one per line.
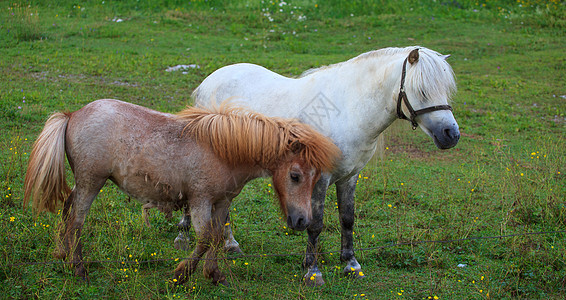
(82,274)
(181,273)
(222,282)
(313,278)
(179,278)
(60,254)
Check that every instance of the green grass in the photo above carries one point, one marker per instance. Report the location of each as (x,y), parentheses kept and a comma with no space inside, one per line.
(506,176)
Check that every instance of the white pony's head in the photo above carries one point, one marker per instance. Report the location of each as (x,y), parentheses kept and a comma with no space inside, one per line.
(427,84)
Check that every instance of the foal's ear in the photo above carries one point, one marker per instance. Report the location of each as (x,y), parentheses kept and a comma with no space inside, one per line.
(445,57)
(296,147)
(414,56)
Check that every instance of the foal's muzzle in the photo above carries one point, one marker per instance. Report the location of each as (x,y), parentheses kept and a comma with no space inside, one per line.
(297,219)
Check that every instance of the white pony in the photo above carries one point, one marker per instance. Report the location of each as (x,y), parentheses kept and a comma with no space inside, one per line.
(352,103)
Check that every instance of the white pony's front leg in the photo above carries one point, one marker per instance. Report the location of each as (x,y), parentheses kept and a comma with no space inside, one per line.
(345,194)
(313,277)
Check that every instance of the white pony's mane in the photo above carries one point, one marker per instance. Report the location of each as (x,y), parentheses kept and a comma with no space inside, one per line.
(431,77)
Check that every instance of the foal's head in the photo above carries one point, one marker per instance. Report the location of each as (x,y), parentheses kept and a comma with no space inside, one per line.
(294,180)
(295,175)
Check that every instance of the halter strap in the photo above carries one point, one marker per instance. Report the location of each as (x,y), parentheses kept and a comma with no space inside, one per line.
(413,113)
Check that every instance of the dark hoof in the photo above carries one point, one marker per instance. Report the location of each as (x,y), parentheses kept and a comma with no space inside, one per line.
(82,274)
(180,276)
(60,254)
(222,282)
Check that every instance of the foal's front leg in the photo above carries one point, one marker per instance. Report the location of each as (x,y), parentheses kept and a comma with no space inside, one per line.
(219,217)
(188,266)
(200,215)
(345,194)
(208,221)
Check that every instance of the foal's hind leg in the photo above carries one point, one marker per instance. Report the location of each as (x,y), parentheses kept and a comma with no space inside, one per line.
(74,213)
(62,247)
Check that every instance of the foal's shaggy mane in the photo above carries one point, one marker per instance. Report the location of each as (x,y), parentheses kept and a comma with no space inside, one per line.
(431,76)
(240,136)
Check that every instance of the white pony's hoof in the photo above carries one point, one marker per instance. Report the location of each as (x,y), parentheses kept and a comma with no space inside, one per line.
(353,270)
(313,278)
(354,273)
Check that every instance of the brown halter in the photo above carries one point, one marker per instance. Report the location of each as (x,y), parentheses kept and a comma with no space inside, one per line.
(403,97)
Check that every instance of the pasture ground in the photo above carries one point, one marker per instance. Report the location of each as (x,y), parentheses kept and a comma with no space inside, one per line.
(506,176)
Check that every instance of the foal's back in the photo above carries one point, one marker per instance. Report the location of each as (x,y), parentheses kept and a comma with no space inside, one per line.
(143,151)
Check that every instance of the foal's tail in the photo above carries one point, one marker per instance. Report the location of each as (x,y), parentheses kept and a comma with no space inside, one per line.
(45,177)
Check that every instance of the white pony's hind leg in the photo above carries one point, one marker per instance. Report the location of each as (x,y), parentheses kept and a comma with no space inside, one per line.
(145,213)
(182,241)
(230,243)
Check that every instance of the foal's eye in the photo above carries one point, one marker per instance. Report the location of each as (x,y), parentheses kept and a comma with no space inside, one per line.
(295,177)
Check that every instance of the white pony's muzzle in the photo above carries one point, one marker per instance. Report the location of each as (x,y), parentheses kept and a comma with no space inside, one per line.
(441,127)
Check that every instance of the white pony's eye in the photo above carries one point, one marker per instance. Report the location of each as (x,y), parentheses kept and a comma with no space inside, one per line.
(425,98)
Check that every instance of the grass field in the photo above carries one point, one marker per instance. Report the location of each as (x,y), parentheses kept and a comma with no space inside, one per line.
(505,177)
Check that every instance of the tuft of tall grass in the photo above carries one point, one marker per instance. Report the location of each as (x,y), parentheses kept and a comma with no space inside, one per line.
(23,22)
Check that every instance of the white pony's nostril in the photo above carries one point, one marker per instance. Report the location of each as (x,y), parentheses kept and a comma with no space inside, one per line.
(448,133)
(451,134)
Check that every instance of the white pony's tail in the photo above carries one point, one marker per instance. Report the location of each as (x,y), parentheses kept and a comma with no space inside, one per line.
(45,177)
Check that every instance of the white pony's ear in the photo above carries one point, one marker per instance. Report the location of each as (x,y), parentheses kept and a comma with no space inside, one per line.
(445,57)
(414,56)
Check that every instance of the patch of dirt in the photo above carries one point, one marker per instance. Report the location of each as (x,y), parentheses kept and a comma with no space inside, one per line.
(415,149)
(470,136)
(397,145)
(45,75)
